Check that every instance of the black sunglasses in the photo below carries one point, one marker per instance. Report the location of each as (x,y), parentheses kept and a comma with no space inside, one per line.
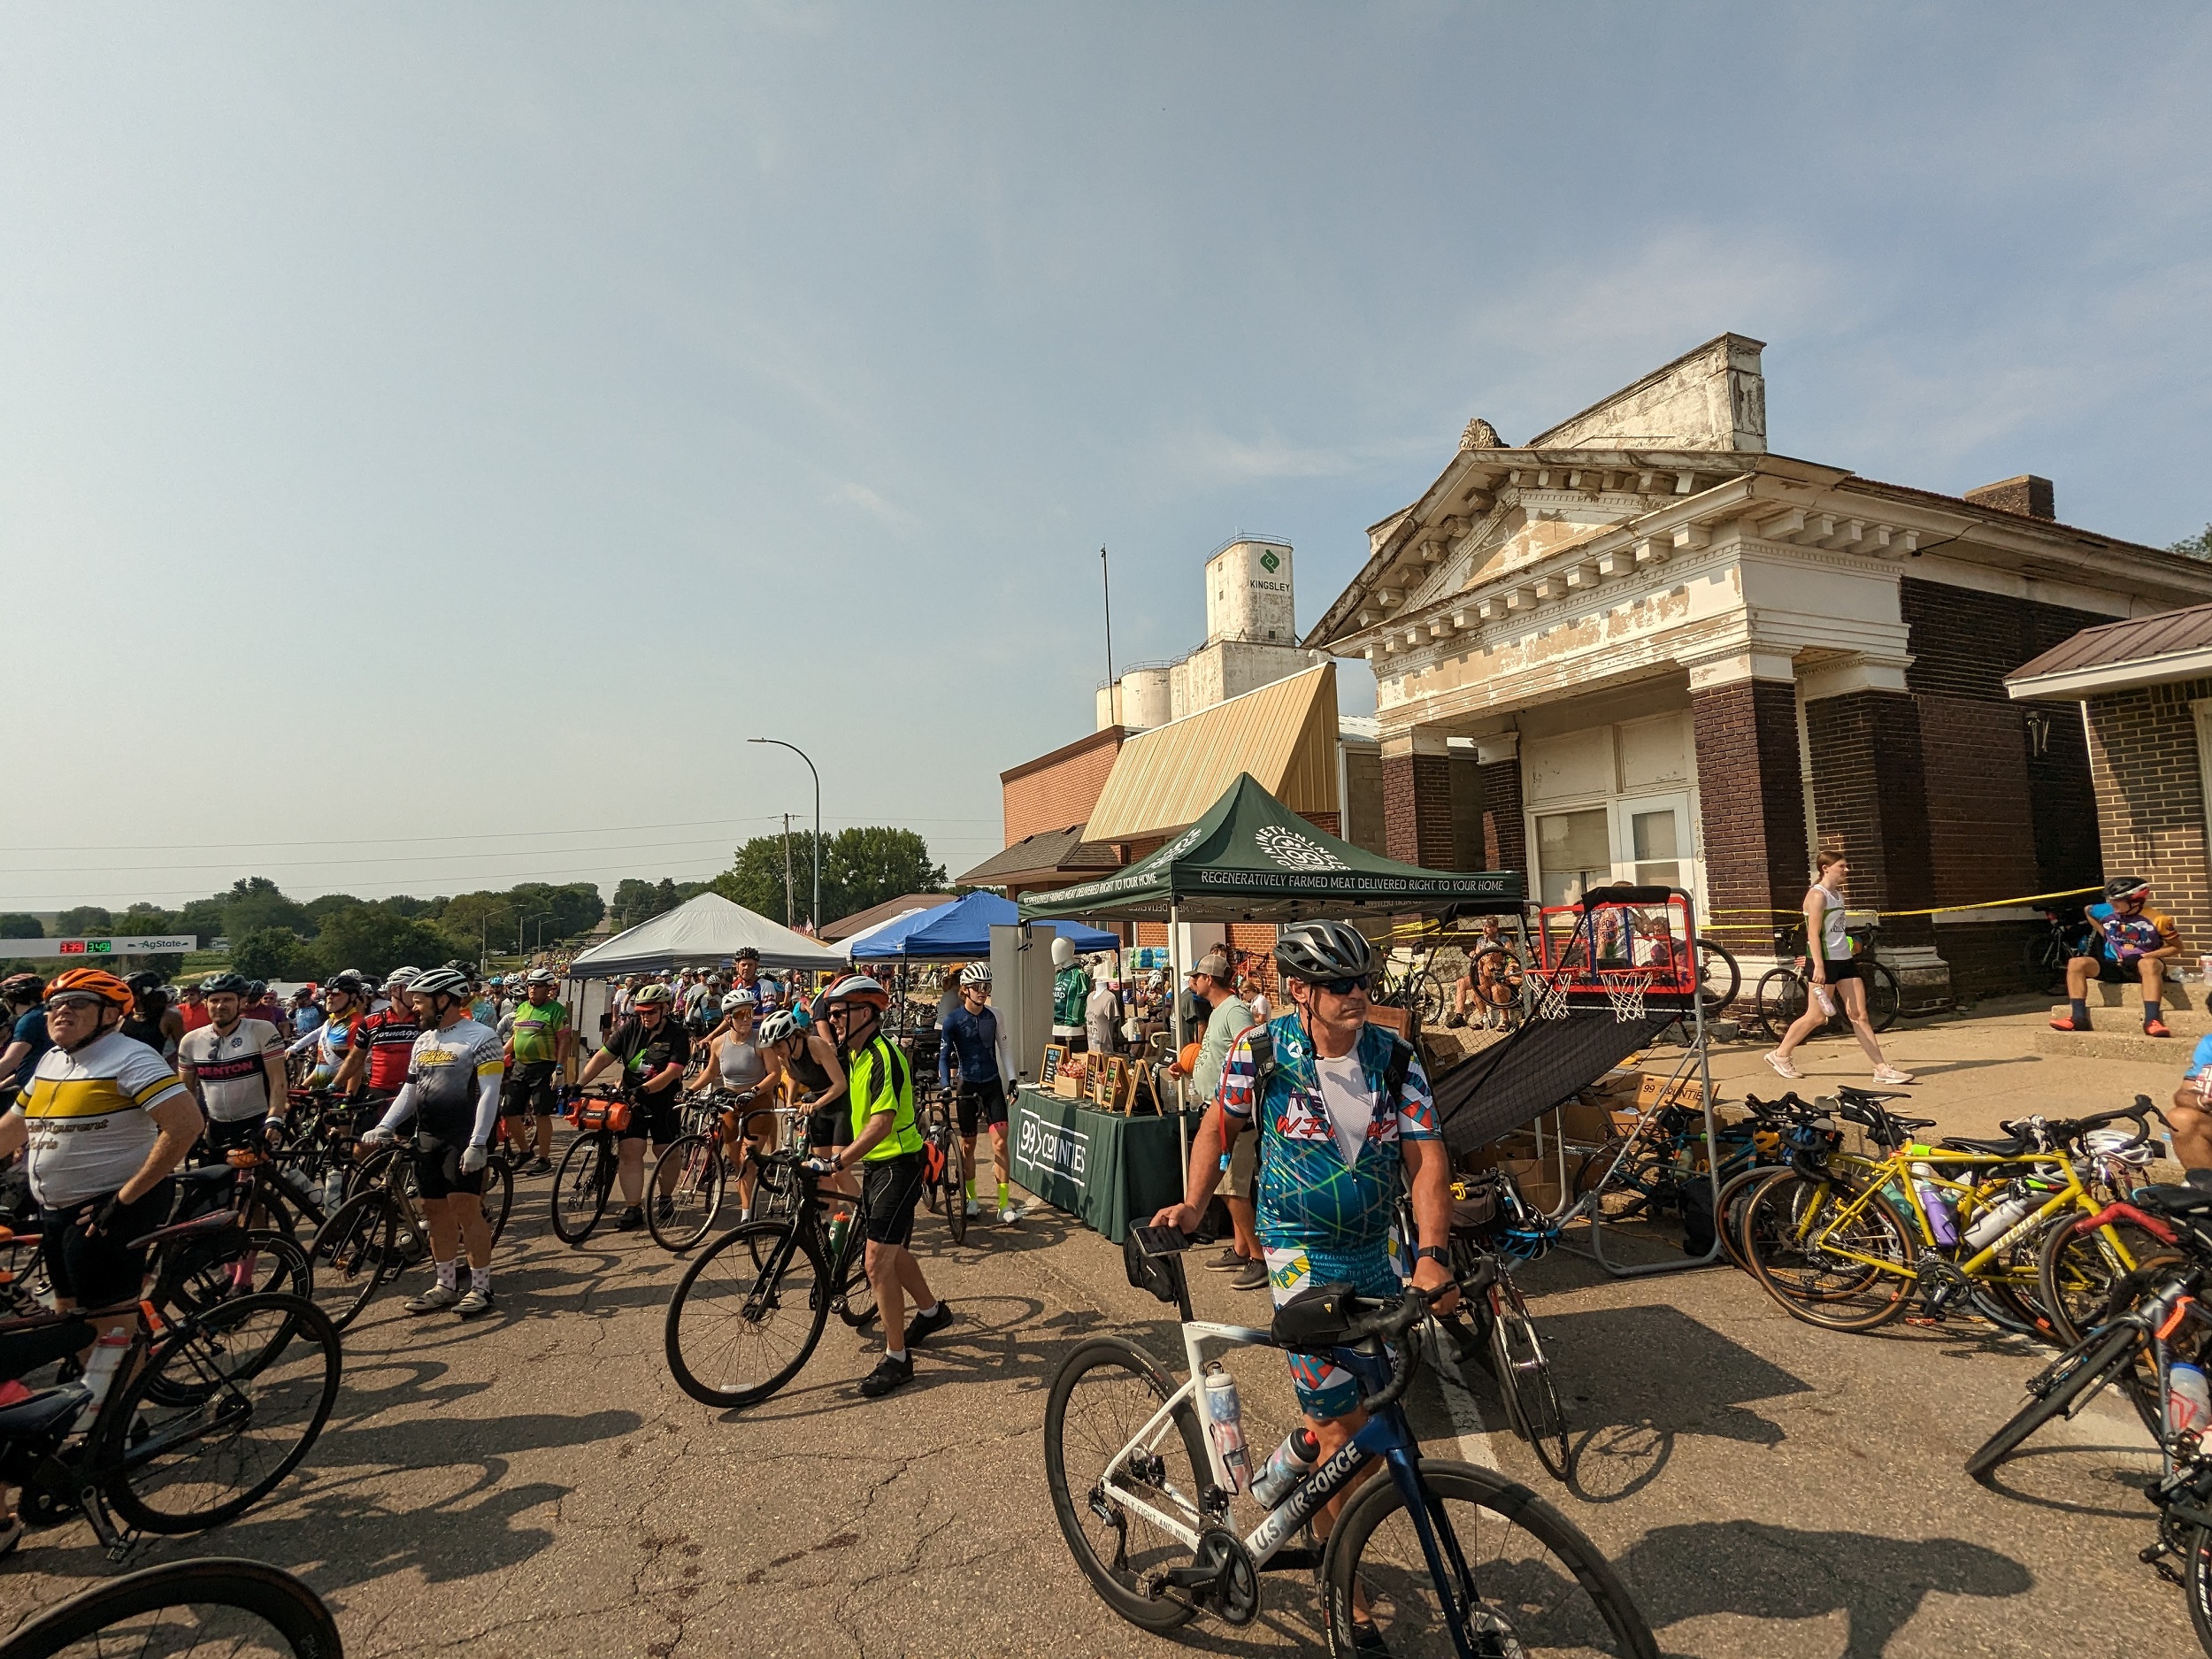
(1344,987)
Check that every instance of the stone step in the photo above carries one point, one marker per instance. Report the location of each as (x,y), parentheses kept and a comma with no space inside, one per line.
(2129,1021)
(2120,1044)
(2188,997)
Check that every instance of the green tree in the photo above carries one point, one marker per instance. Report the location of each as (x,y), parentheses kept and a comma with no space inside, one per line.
(2197,546)
(861,866)
(18,925)
(147,918)
(203,917)
(84,921)
(375,938)
(329,904)
(256,902)
(273,953)
(400,905)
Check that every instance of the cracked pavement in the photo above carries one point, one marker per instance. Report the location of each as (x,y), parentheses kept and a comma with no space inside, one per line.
(535,1486)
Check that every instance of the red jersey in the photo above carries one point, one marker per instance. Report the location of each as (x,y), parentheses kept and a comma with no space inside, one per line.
(389,1036)
(196,1015)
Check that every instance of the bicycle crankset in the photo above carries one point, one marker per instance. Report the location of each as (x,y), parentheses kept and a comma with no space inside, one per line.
(1221,1578)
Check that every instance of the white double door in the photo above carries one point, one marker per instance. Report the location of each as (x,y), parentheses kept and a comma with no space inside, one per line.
(1649,840)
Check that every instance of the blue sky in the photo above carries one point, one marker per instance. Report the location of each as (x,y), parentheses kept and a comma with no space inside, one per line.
(434,437)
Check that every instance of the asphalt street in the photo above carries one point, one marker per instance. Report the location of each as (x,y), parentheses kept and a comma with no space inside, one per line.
(535,1484)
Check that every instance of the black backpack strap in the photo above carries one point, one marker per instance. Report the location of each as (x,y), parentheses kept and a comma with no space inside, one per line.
(1396,1069)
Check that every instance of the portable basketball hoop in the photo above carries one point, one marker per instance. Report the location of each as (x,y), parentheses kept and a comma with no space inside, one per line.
(1551,996)
(1624,989)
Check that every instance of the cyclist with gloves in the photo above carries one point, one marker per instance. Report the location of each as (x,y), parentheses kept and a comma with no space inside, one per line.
(653,1051)
(453,1078)
(972,1036)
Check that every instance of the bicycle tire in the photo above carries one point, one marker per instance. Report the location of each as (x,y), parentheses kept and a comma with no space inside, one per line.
(857,1303)
(1718,977)
(1857,1295)
(1120,1582)
(218,1395)
(955,1185)
(1728,1211)
(205,1278)
(1779,1002)
(356,1251)
(2196,1582)
(1562,1593)
(721,1285)
(2078,1273)
(253,1589)
(695,1193)
(1885,997)
(2076,1376)
(369,1171)
(1524,1379)
(500,1174)
(579,1189)
(1425,995)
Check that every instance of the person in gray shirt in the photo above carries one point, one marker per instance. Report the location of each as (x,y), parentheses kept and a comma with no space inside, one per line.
(1212,979)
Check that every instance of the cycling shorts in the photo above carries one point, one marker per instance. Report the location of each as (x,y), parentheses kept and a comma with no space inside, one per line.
(889,1187)
(530,1088)
(829,1126)
(657,1117)
(438,1168)
(984,1101)
(1324,1390)
(243,1132)
(99,1271)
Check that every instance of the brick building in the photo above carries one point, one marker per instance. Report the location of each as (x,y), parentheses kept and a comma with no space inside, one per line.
(1643,647)
(2144,693)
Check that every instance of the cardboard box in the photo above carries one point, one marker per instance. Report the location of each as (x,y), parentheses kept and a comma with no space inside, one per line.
(1537,1178)
(1653,1092)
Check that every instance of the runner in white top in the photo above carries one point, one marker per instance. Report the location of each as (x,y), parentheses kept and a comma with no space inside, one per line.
(235,1068)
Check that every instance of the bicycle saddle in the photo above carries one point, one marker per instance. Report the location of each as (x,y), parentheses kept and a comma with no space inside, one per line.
(2175,1201)
(42,1413)
(1847,1091)
(2003,1146)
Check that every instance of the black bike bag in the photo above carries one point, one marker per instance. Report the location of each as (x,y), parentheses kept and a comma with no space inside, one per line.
(1319,1316)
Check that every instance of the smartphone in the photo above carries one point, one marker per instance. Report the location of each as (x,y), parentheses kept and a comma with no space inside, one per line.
(1160,1241)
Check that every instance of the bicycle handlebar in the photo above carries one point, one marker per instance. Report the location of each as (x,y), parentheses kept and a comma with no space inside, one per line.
(1390,1324)
(2053,1131)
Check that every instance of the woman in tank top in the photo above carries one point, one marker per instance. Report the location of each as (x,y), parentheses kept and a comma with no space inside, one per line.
(1833,973)
(738,1067)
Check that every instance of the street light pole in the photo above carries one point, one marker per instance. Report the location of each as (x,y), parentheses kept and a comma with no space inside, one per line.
(801,754)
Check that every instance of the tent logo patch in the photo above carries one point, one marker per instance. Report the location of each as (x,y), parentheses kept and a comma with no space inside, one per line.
(1287,848)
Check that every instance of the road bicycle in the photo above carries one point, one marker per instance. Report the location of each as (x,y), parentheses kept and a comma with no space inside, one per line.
(2045,956)
(691,1176)
(207,1412)
(750,1311)
(1783,993)
(1413,986)
(1434,1557)
(944,1170)
(1848,1242)
(586,1173)
(380,1232)
(242,1609)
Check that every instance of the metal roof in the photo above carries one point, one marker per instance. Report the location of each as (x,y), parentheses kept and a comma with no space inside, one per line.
(1046,853)
(2140,651)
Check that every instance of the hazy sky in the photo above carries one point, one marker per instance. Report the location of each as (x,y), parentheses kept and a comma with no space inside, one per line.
(434,437)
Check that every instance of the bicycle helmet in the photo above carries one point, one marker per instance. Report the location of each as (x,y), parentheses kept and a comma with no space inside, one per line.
(1320,951)
(256,989)
(745,953)
(733,1000)
(778,1027)
(231,984)
(542,976)
(400,979)
(653,996)
(347,980)
(439,982)
(94,982)
(976,973)
(856,987)
(22,987)
(145,982)
(2126,888)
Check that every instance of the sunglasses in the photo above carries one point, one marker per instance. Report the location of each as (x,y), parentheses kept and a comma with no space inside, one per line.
(1344,987)
(73,998)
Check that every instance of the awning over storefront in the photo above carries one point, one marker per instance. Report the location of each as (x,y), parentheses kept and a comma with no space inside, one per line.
(1250,858)
(1283,735)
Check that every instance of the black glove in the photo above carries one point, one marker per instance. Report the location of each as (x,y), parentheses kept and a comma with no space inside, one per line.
(95,1219)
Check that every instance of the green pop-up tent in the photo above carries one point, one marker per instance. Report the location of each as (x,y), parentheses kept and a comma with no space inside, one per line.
(1252,859)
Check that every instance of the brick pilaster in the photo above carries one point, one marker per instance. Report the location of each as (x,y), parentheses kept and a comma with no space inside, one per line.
(1870,794)
(1504,830)
(1418,808)
(1751,806)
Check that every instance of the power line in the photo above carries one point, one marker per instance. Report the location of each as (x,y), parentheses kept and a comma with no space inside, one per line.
(472,835)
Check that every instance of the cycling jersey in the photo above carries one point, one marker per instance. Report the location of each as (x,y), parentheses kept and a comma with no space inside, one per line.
(645,1053)
(537,1028)
(975,1039)
(1311,1194)
(234,1081)
(2123,938)
(1070,991)
(446,1069)
(329,1043)
(881,1081)
(389,1036)
(90,1116)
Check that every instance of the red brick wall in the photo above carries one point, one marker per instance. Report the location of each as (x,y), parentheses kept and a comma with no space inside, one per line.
(1870,793)
(2150,799)
(1504,830)
(1058,789)
(1418,808)
(1981,832)
(1964,643)
(1751,807)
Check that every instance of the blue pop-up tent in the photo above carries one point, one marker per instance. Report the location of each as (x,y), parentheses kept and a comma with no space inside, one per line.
(961,932)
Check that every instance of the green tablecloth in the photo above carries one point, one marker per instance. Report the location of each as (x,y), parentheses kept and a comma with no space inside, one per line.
(1101,1167)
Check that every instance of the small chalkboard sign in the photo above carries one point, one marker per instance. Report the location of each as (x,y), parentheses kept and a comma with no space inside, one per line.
(1048,1068)
(1113,1083)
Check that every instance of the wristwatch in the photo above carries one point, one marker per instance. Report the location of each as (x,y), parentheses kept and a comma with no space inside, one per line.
(1435,1253)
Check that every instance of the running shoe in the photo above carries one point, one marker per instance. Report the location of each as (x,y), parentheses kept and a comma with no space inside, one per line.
(1253,1278)
(436,1297)
(1782,1066)
(1890,1077)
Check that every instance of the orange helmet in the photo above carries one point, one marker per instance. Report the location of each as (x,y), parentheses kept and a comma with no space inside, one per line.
(98,981)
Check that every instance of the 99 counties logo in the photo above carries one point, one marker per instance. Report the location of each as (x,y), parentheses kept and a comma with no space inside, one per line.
(1293,852)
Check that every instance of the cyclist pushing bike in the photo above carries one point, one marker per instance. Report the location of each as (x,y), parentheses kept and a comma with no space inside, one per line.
(1343,1108)
(652,1050)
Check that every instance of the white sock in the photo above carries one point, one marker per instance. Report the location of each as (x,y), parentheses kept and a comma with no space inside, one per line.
(929,1312)
(480,1278)
(897,1356)
(450,1274)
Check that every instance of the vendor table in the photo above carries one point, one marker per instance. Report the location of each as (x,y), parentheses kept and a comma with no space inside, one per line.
(1103,1168)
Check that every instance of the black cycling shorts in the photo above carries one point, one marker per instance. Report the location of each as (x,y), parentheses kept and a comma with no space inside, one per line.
(223,1137)
(830,1127)
(530,1087)
(103,1270)
(984,1102)
(657,1117)
(889,1187)
(438,1168)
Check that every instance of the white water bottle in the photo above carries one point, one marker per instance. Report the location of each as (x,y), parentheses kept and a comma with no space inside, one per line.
(1225,1430)
(1291,1463)
(2188,1399)
(1992,1223)
(100,1367)
(334,1188)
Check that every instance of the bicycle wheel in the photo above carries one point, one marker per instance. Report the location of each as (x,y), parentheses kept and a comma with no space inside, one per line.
(1780,1001)
(579,1189)
(2078,1271)
(1524,1379)
(1884,999)
(355,1252)
(1525,1580)
(369,1171)
(687,1179)
(2061,1389)
(856,1306)
(1425,995)
(223,1411)
(499,1193)
(953,1185)
(1718,977)
(2196,1581)
(1102,1396)
(1827,1258)
(736,1332)
(215,1605)
(1735,1202)
(233,1264)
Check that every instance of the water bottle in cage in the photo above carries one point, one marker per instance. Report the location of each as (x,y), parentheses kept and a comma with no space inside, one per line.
(1225,1430)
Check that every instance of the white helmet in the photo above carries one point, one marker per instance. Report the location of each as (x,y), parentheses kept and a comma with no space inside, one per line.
(400,979)
(976,973)
(737,999)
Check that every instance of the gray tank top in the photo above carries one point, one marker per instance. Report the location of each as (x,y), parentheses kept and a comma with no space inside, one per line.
(743,1068)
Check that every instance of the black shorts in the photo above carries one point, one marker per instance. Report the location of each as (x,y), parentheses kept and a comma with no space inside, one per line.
(530,1088)
(225,1137)
(984,1101)
(99,1271)
(2119,972)
(830,1127)
(889,1187)
(438,1168)
(368,1111)
(657,1117)
(1839,969)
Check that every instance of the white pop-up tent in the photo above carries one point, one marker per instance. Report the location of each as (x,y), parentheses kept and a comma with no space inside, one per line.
(698,933)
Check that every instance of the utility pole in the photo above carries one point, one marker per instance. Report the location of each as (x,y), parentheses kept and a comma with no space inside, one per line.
(787,900)
(1106,578)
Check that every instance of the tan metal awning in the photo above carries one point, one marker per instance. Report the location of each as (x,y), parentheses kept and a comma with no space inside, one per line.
(1283,734)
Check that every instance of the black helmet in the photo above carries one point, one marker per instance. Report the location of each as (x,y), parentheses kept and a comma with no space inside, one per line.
(1315,951)
(256,989)
(23,987)
(347,980)
(2126,888)
(746,953)
(236,984)
(145,982)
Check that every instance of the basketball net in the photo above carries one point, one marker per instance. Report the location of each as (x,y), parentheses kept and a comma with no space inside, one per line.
(1625,990)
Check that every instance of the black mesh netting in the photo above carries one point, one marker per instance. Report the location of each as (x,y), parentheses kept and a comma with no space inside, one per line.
(1539,1065)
